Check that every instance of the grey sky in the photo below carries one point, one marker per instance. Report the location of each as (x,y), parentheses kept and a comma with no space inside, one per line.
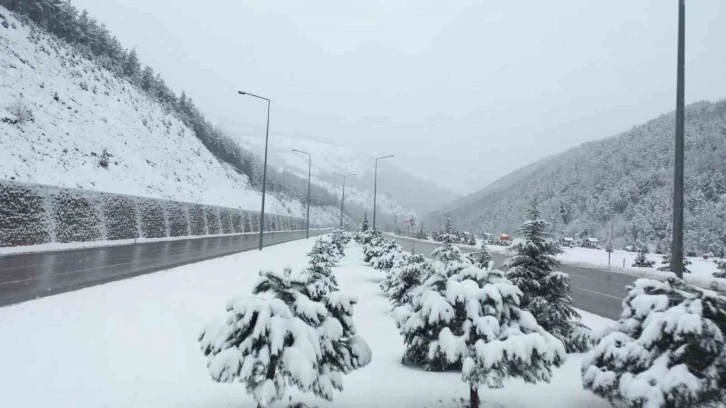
(462,91)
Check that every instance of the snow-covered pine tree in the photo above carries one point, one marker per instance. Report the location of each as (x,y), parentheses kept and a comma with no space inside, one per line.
(148,82)
(330,312)
(390,255)
(132,67)
(642,262)
(448,252)
(320,263)
(362,229)
(666,262)
(666,351)
(472,320)
(721,265)
(546,293)
(481,257)
(373,243)
(261,344)
(408,277)
(389,261)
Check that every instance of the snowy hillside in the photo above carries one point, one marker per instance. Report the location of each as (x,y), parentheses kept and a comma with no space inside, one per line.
(61,115)
(628,176)
(400,192)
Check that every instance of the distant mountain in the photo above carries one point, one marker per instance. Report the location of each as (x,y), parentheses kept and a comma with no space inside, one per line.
(399,191)
(625,182)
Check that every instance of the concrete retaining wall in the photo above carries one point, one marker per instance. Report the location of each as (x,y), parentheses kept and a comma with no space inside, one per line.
(32,214)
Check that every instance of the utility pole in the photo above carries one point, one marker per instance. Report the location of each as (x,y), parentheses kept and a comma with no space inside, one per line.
(310,163)
(264,169)
(342,200)
(678,181)
(375,188)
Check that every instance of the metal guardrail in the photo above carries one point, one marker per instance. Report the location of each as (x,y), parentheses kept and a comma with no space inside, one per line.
(32,275)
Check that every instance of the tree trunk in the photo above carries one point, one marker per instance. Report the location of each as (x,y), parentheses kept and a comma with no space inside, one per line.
(270,372)
(473,397)
(670,404)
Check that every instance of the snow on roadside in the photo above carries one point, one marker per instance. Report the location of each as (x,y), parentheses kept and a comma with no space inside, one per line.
(702,269)
(132,343)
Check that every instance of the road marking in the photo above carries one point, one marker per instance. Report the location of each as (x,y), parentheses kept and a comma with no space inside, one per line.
(598,293)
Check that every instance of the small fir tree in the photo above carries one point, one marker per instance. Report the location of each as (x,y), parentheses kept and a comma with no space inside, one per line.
(666,262)
(448,252)
(408,277)
(472,321)
(330,312)
(546,293)
(721,265)
(666,351)
(642,262)
(263,345)
(481,257)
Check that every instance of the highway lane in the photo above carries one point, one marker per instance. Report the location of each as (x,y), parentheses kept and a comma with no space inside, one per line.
(32,275)
(596,291)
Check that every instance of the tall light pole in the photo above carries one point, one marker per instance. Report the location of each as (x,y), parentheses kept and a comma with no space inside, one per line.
(264,169)
(375,188)
(342,200)
(310,162)
(677,245)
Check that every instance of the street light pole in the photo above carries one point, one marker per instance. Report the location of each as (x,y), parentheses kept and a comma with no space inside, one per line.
(264,169)
(677,245)
(310,162)
(375,188)
(342,200)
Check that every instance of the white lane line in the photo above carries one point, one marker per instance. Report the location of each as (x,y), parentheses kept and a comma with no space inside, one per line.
(598,293)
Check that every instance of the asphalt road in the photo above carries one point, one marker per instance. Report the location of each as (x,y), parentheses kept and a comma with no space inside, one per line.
(33,275)
(596,291)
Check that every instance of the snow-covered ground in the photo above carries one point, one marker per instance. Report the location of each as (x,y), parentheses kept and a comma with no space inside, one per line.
(598,257)
(133,343)
(701,269)
(70,110)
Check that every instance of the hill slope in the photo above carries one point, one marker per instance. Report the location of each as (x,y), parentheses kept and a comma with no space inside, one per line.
(628,176)
(60,111)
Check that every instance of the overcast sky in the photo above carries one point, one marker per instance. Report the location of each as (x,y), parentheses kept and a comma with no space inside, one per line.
(463,92)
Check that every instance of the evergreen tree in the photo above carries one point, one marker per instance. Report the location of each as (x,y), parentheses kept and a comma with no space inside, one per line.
(481,257)
(389,260)
(248,338)
(472,321)
(148,82)
(408,277)
(546,293)
(666,351)
(666,262)
(132,67)
(330,312)
(448,252)
(642,262)
(721,265)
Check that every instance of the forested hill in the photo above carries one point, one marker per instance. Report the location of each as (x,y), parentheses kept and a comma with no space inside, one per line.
(628,177)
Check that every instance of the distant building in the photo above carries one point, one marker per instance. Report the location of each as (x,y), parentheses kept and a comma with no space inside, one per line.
(592,243)
(567,242)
